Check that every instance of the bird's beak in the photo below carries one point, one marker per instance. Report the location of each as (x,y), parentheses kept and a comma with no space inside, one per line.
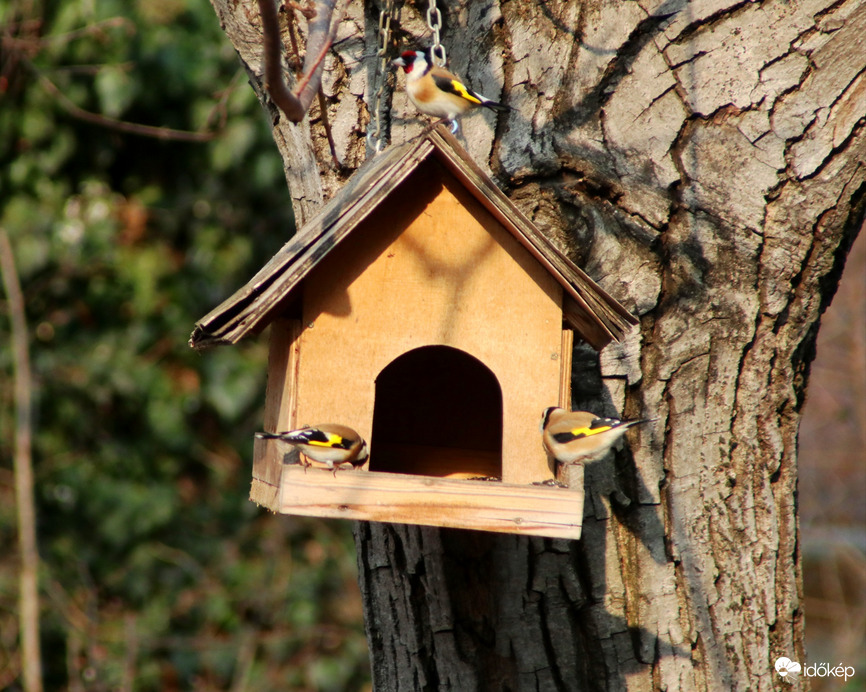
(399,62)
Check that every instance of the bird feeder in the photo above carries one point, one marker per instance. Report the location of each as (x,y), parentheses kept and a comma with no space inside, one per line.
(424,310)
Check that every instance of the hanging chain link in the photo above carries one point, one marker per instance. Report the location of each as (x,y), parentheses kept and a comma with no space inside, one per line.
(434,21)
(381,77)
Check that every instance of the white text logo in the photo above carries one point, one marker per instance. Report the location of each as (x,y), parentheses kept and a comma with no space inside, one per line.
(789,670)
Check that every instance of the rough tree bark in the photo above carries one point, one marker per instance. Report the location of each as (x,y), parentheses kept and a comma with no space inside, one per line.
(704,161)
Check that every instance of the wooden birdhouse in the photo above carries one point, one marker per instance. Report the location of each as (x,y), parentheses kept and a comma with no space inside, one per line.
(424,310)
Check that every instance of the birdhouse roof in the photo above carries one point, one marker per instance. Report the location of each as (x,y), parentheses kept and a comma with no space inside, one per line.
(587,308)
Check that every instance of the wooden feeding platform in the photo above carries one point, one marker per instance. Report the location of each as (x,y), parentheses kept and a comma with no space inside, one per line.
(422,309)
(483,505)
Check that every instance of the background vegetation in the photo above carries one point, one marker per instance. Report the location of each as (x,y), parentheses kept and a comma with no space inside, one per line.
(156,567)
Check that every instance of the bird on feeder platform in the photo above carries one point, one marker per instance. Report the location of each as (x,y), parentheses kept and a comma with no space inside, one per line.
(330,444)
(574,437)
(436,91)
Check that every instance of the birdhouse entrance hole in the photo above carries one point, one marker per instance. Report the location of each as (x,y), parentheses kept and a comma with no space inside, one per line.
(437,412)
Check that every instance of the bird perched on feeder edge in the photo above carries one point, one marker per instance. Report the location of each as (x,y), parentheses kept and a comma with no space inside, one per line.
(436,91)
(573,437)
(330,444)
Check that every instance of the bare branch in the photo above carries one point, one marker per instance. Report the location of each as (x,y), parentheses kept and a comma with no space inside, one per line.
(295,64)
(131,656)
(319,41)
(32,43)
(165,133)
(21,49)
(31,657)
(294,104)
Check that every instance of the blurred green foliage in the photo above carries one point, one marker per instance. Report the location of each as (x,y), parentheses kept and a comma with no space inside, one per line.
(158,573)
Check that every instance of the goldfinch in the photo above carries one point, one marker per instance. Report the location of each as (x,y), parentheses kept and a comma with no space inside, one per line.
(436,91)
(329,444)
(573,437)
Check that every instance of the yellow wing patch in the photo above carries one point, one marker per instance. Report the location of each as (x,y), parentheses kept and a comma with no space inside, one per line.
(586,432)
(332,441)
(463,92)
(453,86)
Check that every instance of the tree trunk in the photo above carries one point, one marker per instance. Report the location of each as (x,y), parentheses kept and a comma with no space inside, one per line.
(704,162)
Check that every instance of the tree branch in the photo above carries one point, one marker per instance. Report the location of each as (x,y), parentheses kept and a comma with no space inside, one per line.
(31,658)
(22,49)
(164,133)
(294,104)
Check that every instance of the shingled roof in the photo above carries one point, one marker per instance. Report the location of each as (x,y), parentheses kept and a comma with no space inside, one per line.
(587,308)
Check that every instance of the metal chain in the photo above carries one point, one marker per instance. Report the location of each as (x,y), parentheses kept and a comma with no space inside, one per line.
(434,21)
(375,138)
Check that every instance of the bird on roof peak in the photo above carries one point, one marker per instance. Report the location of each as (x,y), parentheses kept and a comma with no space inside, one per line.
(436,91)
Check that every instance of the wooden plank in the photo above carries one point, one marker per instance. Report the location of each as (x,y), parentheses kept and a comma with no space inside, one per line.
(265,495)
(267,465)
(281,397)
(281,394)
(478,505)
(565,369)
(270,457)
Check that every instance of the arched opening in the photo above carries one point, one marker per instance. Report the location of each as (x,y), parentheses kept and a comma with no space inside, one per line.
(437,412)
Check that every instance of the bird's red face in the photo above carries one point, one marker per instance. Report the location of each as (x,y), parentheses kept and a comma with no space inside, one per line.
(406,60)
